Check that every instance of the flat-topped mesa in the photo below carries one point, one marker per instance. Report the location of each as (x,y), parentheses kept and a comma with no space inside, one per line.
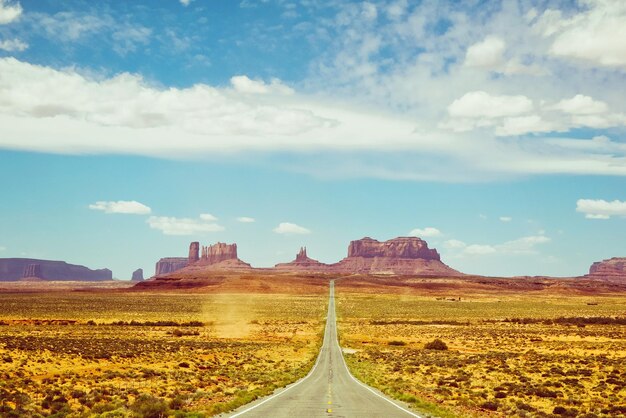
(612,268)
(402,247)
(217,253)
(170,264)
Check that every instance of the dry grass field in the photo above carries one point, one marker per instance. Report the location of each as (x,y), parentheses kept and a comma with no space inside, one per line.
(115,354)
(526,354)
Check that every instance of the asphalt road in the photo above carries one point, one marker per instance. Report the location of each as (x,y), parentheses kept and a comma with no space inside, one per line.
(329,390)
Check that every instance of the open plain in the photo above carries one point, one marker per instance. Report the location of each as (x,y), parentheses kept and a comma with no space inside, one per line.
(203,345)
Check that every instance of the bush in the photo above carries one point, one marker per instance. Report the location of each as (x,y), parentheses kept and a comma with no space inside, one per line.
(490,406)
(436,344)
(396,342)
(148,406)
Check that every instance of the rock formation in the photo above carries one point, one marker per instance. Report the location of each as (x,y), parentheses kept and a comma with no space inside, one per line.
(613,268)
(402,247)
(194,252)
(401,256)
(217,253)
(19,268)
(32,270)
(137,275)
(303,263)
(170,265)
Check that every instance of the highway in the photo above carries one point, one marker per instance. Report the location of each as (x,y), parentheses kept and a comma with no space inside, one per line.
(329,390)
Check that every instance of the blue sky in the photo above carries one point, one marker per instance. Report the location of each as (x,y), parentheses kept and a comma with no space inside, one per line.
(494,130)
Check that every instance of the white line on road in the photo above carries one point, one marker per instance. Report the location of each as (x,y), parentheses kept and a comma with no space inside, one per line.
(319,355)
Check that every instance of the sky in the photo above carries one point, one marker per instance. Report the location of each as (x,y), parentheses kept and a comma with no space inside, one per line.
(494,130)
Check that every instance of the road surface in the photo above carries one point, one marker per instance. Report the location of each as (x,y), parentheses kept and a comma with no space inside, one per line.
(329,390)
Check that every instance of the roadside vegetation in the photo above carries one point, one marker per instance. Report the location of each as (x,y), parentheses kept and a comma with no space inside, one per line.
(151,355)
(506,355)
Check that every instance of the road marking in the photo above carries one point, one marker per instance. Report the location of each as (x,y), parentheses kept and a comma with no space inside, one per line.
(293,385)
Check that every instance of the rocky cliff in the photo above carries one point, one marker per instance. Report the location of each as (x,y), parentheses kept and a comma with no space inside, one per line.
(21,268)
(169,265)
(137,275)
(401,256)
(609,269)
(402,247)
(303,263)
(217,253)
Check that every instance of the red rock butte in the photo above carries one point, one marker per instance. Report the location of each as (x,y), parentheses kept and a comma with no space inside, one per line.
(609,269)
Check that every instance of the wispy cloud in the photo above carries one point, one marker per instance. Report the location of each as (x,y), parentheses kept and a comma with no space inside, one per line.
(121,206)
(13,45)
(245,219)
(425,232)
(520,246)
(505,219)
(601,209)
(183,226)
(288,228)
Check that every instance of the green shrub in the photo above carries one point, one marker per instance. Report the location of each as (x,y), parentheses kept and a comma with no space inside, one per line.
(436,344)
(148,406)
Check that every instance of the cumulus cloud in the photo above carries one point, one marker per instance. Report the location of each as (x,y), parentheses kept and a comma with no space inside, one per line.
(13,45)
(480,104)
(425,232)
(9,11)
(287,228)
(581,105)
(182,226)
(245,219)
(207,217)
(243,84)
(185,2)
(121,206)
(601,209)
(596,34)
(486,54)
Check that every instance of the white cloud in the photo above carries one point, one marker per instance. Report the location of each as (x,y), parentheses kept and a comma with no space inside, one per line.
(478,249)
(480,104)
(600,209)
(425,233)
(505,218)
(595,35)
(454,243)
(207,217)
(524,245)
(121,206)
(245,219)
(243,84)
(486,54)
(3,249)
(12,45)
(182,226)
(521,246)
(581,105)
(185,2)
(9,11)
(290,228)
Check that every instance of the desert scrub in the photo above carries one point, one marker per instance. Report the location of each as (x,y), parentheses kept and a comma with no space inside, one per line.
(521,357)
(186,354)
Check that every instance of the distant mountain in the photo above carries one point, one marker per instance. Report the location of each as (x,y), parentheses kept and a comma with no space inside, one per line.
(12,269)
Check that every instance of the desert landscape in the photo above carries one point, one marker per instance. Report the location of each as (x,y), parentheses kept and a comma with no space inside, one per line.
(217,334)
(312,209)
